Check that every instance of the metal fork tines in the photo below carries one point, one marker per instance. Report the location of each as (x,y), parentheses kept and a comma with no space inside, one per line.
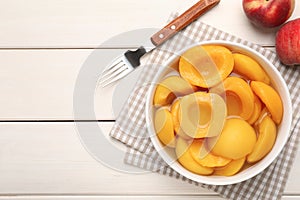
(118,69)
(122,66)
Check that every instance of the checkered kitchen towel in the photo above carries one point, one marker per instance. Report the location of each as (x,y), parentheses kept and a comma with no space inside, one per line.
(130,127)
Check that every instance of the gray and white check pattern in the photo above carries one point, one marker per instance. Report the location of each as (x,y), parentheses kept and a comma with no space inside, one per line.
(130,127)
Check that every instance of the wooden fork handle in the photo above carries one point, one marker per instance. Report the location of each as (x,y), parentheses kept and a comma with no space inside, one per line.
(182,21)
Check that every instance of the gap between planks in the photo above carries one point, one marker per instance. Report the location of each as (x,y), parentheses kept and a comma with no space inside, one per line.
(86,48)
(117,197)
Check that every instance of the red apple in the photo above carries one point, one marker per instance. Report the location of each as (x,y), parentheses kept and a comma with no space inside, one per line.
(268,13)
(288,43)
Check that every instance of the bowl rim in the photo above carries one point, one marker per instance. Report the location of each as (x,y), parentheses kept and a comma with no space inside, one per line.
(257,167)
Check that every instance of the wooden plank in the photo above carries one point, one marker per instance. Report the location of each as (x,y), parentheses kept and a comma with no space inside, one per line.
(39,84)
(49,159)
(88,23)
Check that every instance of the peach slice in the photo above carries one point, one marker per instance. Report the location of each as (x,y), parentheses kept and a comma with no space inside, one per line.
(248,67)
(186,160)
(175,117)
(270,98)
(206,66)
(171,87)
(256,111)
(239,97)
(230,169)
(163,124)
(222,57)
(236,140)
(202,114)
(265,141)
(205,158)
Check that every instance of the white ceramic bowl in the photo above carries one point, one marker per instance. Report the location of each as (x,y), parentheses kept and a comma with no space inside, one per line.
(283,131)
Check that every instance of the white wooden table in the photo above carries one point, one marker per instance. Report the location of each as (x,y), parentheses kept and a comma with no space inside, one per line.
(43,45)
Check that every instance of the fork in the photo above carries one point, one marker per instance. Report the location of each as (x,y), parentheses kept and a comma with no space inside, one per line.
(130,60)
